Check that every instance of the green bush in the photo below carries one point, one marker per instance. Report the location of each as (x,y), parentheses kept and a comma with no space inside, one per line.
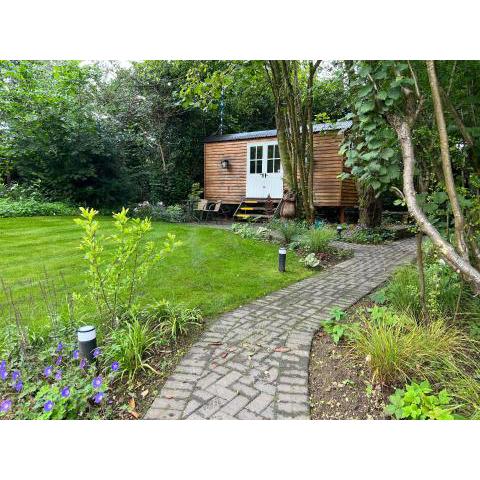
(32,207)
(289,230)
(246,230)
(446,295)
(373,236)
(417,402)
(318,240)
(174,320)
(114,280)
(131,344)
(159,212)
(338,328)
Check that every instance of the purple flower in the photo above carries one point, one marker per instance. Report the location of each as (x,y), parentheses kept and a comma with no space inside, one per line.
(115,366)
(48,406)
(97,381)
(58,375)
(3,365)
(98,397)
(5,406)
(60,347)
(83,363)
(48,371)
(76,354)
(96,352)
(18,386)
(59,360)
(3,374)
(65,392)
(15,375)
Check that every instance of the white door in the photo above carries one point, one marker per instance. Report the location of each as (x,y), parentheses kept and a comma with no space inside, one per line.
(264,170)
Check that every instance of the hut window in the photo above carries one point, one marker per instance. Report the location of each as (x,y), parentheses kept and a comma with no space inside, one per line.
(256,159)
(273,159)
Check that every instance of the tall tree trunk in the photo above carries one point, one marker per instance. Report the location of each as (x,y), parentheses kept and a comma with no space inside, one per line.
(293,116)
(421,275)
(446,164)
(448,252)
(370,206)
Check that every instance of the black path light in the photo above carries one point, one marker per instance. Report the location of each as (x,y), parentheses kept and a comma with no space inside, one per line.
(339,231)
(282,259)
(87,341)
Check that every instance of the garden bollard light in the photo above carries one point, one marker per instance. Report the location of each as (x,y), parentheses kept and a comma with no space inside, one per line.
(87,342)
(339,231)
(282,259)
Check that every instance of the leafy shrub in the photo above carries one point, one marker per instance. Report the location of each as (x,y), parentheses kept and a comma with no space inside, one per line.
(374,236)
(114,281)
(65,387)
(310,260)
(337,327)
(446,295)
(32,207)
(289,230)
(131,344)
(246,230)
(318,240)
(417,402)
(174,320)
(158,211)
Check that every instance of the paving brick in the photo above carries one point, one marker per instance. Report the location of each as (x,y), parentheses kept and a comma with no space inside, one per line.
(228,379)
(260,402)
(235,405)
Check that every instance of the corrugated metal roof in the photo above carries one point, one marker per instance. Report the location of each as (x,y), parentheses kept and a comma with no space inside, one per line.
(318,127)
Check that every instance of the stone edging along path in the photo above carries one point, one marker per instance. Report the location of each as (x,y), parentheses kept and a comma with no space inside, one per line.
(252,363)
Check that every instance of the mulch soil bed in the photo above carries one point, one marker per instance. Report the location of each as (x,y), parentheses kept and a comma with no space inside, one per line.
(340,384)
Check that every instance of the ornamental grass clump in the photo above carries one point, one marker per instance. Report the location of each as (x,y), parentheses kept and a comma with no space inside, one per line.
(67,388)
(288,230)
(399,350)
(318,240)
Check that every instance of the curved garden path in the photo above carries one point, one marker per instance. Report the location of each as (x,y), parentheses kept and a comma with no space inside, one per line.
(252,363)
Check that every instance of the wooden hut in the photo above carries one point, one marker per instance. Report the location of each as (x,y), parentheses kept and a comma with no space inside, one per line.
(244,169)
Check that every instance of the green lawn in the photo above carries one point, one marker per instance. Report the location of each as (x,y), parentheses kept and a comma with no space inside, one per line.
(214,270)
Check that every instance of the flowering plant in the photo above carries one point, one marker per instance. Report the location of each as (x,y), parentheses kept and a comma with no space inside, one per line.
(67,388)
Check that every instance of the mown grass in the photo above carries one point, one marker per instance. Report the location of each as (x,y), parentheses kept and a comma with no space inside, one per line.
(214,270)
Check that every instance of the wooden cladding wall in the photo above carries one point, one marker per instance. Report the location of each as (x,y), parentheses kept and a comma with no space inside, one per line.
(229,185)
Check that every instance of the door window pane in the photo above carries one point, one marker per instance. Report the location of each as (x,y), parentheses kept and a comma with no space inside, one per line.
(259,152)
(270,165)
(252,166)
(252,152)
(259,166)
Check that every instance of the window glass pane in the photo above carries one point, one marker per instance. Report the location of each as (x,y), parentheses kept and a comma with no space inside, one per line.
(277,165)
(277,152)
(252,152)
(270,151)
(252,166)
(259,152)
(270,165)
(259,166)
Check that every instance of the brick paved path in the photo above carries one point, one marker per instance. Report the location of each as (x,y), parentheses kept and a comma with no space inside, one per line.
(252,363)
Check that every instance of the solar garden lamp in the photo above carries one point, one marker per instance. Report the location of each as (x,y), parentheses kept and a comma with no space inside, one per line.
(87,342)
(282,259)
(339,231)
